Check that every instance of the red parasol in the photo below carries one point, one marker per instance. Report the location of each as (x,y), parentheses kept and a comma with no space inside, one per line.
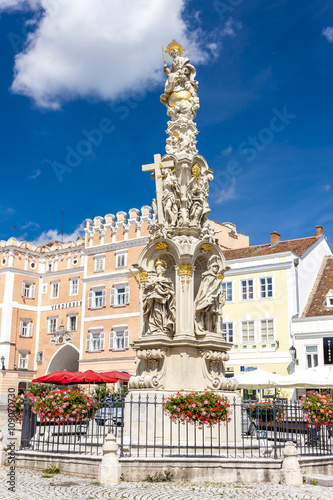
(117,375)
(90,377)
(56,377)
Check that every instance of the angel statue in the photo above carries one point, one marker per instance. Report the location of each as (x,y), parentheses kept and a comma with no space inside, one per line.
(181,74)
(159,301)
(209,300)
(170,197)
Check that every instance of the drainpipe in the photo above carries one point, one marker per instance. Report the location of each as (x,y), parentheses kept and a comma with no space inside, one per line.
(296,262)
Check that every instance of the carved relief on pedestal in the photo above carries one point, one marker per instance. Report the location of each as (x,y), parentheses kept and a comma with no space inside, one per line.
(213,370)
(210,299)
(152,367)
(158,301)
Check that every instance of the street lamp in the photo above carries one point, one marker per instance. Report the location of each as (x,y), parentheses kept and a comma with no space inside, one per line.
(292,352)
(3,362)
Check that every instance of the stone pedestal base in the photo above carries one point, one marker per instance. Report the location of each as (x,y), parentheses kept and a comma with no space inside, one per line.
(147,427)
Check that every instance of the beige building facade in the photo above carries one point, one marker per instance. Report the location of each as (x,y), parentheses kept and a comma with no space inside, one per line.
(75,305)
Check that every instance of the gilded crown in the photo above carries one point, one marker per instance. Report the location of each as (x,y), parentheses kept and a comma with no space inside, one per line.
(161,262)
(175,45)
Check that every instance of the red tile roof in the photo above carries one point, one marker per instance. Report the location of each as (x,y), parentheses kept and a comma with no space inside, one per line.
(299,247)
(316,305)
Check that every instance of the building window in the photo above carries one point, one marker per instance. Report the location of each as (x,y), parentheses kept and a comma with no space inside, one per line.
(311,353)
(3,261)
(99,264)
(121,260)
(74,288)
(52,325)
(44,288)
(228,330)
(267,330)
(97,299)
(248,332)
(33,265)
(266,288)
(329,299)
(23,361)
(95,342)
(120,295)
(55,290)
(40,357)
(72,323)
(119,339)
(26,326)
(247,289)
(28,290)
(227,288)
(49,266)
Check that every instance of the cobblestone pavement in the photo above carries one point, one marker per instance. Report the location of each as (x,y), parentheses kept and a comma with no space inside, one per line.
(31,486)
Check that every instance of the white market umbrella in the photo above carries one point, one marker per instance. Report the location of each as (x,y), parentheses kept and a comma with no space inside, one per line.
(313,377)
(258,379)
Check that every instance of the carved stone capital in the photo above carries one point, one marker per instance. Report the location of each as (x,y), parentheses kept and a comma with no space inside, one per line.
(151,353)
(145,382)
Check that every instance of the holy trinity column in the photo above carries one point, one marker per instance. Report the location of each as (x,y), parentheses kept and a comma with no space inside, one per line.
(181,343)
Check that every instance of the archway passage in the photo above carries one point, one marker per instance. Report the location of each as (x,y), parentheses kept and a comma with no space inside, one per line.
(66,358)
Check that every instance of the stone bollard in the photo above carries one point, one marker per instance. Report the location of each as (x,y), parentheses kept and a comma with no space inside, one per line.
(2,450)
(110,469)
(291,474)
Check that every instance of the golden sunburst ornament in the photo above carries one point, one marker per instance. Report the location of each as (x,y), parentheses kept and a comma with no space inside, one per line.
(175,45)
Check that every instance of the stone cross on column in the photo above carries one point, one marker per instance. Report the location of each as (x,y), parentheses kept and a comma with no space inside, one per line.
(157,167)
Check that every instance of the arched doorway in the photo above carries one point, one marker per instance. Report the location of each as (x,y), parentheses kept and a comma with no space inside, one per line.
(22,386)
(66,358)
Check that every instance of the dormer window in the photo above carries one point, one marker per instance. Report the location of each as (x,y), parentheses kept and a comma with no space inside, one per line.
(329,299)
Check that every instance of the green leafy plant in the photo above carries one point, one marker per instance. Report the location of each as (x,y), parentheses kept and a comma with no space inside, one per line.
(318,409)
(15,406)
(65,405)
(158,477)
(47,475)
(198,408)
(52,470)
(263,412)
(38,389)
(313,482)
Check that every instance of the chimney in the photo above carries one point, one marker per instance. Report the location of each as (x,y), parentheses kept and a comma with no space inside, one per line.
(275,237)
(319,230)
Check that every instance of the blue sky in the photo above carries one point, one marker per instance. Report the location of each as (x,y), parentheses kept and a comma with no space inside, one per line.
(265,77)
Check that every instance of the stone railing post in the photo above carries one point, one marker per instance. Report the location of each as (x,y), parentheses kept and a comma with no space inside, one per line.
(291,474)
(2,450)
(110,468)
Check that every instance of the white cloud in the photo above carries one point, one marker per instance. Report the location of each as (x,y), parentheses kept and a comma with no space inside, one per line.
(105,50)
(54,234)
(328,33)
(230,27)
(35,174)
(228,193)
(6,213)
(227,151)
(327,187)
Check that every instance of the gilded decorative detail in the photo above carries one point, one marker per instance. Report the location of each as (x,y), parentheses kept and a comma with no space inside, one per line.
(143,276)
(161,245)
(196,171)
(174,45)
(206,247)
(185,269)
(220,276)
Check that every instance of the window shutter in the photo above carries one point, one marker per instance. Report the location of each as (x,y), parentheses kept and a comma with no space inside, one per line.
(127,295)
(103,299)
(111,340)
(33,289)
(113,296)
(21,328)
(23,289)
(126,339)
(30,327)
(114,341)
(90,300)
(88,342)
(102,341)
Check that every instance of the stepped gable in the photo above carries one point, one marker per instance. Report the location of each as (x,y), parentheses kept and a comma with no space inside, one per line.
(317,305)
(297,246)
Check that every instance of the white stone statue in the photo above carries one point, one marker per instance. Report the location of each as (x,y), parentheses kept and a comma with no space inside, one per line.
(170,197)
(159,301)
(197,204)
(209,300)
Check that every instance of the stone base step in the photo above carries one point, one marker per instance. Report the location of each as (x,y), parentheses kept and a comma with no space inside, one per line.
(319,479)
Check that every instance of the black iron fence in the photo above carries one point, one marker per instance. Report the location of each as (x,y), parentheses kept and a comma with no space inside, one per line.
(142,429)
